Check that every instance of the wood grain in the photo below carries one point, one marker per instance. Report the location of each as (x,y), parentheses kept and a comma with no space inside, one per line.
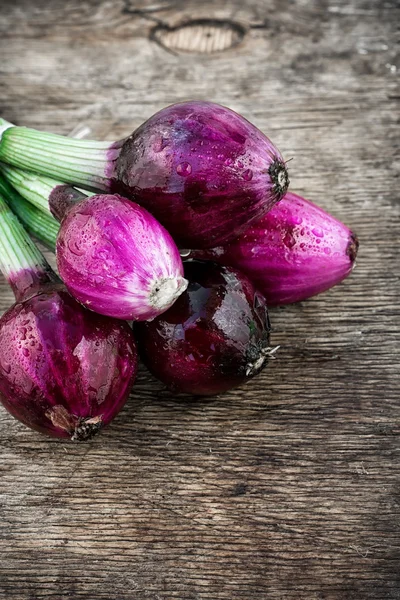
(287,488)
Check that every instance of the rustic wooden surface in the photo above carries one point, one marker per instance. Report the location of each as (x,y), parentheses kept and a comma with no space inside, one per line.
(289,487)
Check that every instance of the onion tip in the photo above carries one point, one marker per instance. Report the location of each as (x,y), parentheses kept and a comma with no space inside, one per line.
(166,290)
(279,177)
(352,247)
(80,429)
(86,429)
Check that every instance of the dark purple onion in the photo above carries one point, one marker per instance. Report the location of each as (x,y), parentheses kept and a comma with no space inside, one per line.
(215,336)
(64,371)
(203,170)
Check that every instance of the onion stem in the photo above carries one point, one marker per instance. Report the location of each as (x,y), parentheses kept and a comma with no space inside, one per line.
(38,223)
(50,196)
(21,262)
(34,188)
(4,125)
(81,162)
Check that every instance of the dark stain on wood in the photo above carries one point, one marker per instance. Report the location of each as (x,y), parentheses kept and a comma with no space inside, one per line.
(240,489)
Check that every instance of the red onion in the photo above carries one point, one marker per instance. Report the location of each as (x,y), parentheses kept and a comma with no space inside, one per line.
(295,251)
(204,171)
(112,254)
(64,371)
(215,336)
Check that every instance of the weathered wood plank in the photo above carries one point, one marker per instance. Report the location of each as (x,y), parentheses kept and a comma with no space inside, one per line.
(287,488)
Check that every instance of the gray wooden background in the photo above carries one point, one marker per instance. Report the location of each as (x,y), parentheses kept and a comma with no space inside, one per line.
(287,488)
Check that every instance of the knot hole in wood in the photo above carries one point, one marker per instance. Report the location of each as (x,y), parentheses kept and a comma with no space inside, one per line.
(201,36)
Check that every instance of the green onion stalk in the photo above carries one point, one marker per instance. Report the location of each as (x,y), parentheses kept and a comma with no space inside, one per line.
(38,223)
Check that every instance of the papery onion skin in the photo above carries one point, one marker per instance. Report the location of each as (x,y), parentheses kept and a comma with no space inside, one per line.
(117,260)
(215,336)
(64,371)
(294,252)
(203,170)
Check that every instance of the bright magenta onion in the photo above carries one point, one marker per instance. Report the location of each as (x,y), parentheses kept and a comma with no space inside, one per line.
(112,254)
(64,371)
(294,252)
(201,169)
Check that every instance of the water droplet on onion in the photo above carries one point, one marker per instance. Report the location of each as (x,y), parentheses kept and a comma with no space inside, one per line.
(248,175)
(184,169)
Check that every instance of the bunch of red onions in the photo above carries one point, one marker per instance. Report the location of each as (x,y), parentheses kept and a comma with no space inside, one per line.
(196,181)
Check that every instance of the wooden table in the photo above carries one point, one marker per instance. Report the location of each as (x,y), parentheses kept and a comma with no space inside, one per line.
(287,488)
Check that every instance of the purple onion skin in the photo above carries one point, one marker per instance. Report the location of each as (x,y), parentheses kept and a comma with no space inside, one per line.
(215,336)
(64,371)
(294,252)
(111,253)
(202,170)
(62,198)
